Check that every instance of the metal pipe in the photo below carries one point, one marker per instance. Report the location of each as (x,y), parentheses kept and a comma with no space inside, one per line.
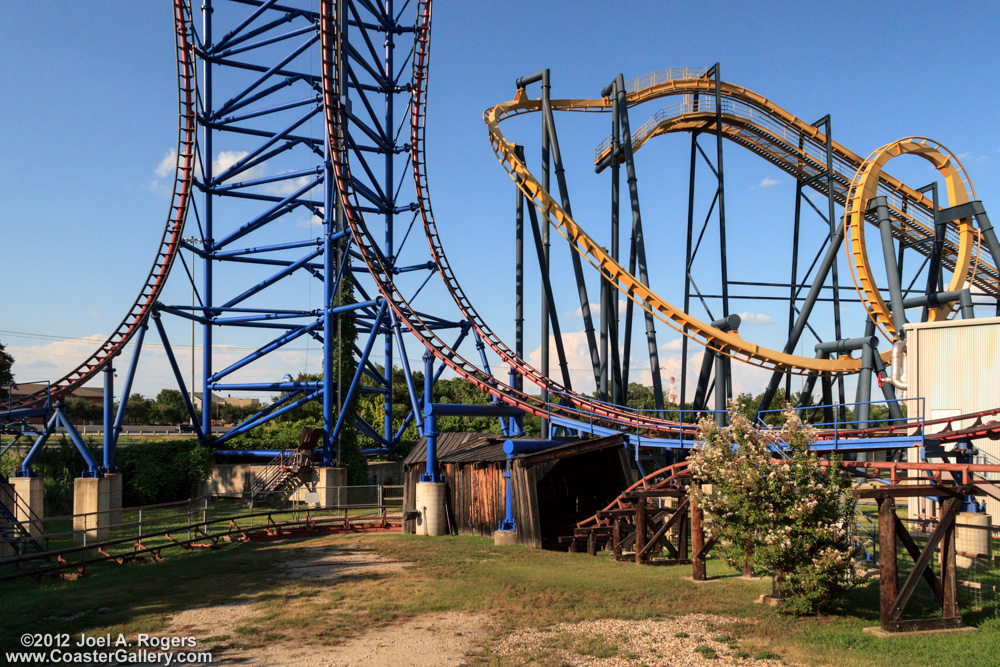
(255,453)
(640,244)
(963,296)
(39,443)
(898,378)
(547,299)
(800,323)
(179,376)
(109,425)
(81,446)
(430,421)
(881,208)
(888,390)
(581,286)
(517,381)
(863,395)
(407,373)
(846,345)
(208,241)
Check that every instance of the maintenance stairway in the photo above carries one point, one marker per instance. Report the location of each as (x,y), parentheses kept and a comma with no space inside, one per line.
(283,473)
(13,533)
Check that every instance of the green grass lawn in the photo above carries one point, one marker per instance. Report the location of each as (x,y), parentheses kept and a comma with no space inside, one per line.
(516,586)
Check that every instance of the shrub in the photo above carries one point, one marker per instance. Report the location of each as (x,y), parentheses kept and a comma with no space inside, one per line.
(791,517)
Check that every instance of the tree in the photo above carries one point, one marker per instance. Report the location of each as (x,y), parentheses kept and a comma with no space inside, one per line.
(169,407)
(6,375)
(792,517)
(81,410)
(138,410)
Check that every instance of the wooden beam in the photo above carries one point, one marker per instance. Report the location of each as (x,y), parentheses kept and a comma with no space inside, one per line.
(654,493)
(949,510)
(914,551)
(913,491)
(616,538)
(888,577)
(705,548)
(682,535)
(667,525)
(949,577)
(697,543)
(640,531)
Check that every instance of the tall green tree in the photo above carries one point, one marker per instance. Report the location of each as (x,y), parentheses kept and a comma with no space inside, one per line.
(6,375)
(169,407)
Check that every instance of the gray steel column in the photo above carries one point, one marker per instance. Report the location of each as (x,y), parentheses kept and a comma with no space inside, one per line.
(800,324)
(519,273)
(640,244)
(581,286)
(881,208)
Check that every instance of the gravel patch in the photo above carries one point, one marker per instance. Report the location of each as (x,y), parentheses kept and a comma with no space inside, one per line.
(686,641)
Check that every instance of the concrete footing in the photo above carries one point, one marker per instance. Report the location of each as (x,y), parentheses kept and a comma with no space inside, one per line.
(503,538)
(97,503)
(32,493)
(883,634)
(7,500)
(430,503)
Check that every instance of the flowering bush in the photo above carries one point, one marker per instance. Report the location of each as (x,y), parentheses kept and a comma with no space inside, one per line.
(790,517)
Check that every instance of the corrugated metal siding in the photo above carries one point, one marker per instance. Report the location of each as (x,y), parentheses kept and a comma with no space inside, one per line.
(955,367)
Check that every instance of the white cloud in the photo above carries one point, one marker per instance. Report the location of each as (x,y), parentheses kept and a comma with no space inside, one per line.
(595,310)
(675,345)
(748,319)
(577,360)
(167,164)
(769,182)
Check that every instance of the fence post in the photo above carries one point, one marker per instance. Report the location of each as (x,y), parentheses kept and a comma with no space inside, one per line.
(140,523)
(204,511)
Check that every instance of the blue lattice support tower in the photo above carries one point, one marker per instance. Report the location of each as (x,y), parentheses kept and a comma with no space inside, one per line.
(264,166)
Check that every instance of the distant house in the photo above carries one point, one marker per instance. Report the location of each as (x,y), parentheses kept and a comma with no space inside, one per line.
(552,489)
(228,400)
(93,395)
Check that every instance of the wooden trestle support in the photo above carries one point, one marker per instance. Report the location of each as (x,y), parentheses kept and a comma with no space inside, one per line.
(650,523)
(893,599)
(657,522)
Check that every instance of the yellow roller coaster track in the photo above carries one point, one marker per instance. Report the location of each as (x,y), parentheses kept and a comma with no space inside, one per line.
(769,131)
(865,186)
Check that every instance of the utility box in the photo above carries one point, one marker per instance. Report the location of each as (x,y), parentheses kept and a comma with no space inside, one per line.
(955,367)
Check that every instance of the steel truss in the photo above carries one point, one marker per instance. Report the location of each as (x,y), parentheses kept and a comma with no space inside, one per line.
(263,170)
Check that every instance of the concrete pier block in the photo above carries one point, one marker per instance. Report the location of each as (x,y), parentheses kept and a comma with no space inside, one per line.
(430,501)
(32,493)
(100,495)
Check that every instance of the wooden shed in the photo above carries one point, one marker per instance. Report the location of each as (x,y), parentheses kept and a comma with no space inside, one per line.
(553,489)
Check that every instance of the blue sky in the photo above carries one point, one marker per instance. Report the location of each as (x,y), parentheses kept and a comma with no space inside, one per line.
(90,105)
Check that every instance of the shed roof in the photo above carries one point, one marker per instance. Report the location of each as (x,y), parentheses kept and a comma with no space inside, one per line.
(488,448)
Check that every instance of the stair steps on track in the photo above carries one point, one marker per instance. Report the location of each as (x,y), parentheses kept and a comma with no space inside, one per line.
(13,533)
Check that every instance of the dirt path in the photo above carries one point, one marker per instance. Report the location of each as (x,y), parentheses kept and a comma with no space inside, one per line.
(424,641)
